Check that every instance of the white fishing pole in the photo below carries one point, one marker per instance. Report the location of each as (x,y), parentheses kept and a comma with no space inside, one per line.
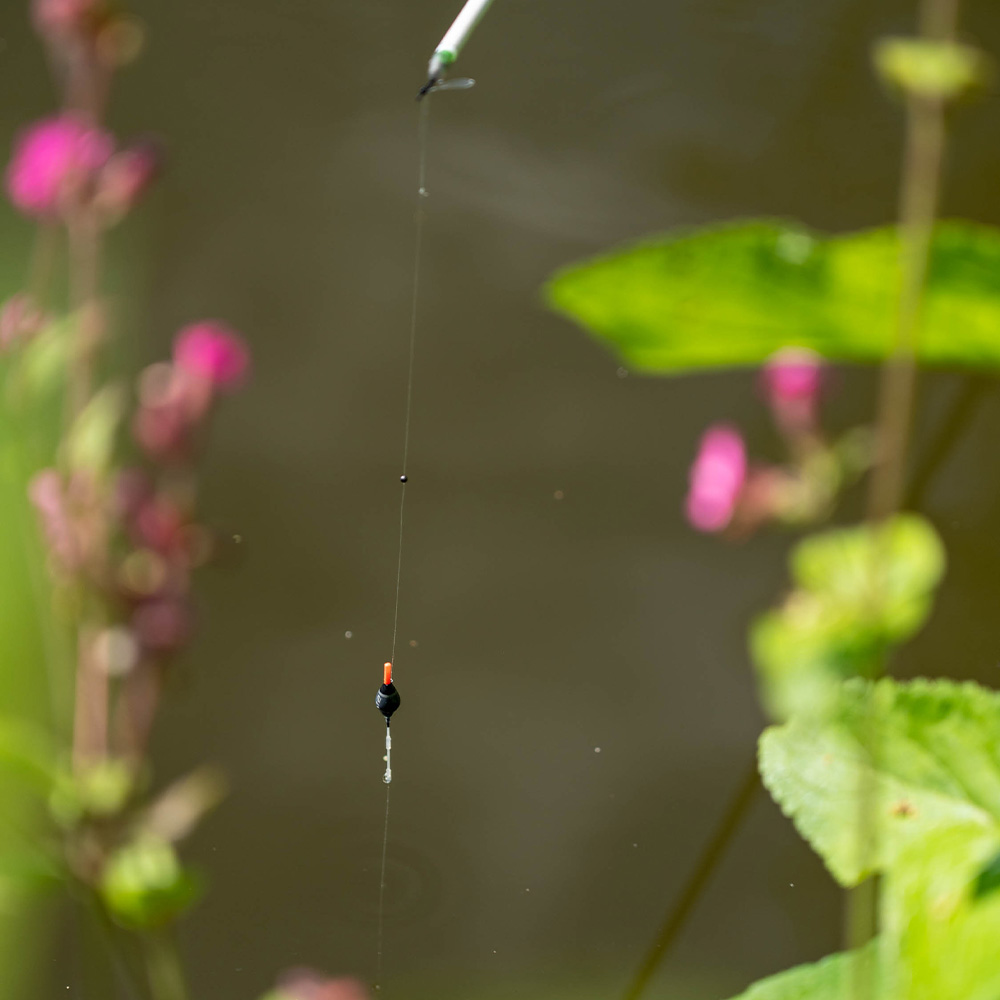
(450,47)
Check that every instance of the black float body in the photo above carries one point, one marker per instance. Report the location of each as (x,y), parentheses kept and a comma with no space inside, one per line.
(387,700)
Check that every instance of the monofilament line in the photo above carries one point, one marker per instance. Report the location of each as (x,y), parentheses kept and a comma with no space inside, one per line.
(381,893)
(422,129)
(418,245)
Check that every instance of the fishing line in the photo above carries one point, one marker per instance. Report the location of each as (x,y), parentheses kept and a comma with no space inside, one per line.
(387,698)
(422,130)
(381,891)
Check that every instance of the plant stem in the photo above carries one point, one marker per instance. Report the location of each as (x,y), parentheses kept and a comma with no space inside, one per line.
(919,197)
(712,854)
(163,967)
(921,184)
(85,93)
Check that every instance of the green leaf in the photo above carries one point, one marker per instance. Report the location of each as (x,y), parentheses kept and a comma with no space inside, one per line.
(732,295)
(145,886)
(27,752)
(27,872)
(832,978)
(893,567)
(102,790)
(945,937)
(922,756)
(44,360)
(929,68)
(858,590)
(91,440)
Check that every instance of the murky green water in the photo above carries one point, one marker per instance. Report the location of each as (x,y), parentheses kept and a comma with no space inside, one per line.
(577,701)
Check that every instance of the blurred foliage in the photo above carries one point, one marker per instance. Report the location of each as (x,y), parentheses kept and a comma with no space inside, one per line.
(930,68)
(90,442)
(857,591)
(903,780)
(29,677)
(829,979)
(934,767)
(145,886)
(732,295)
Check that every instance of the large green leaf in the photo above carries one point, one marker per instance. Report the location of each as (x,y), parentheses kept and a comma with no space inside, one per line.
(832,978)
(732,295)
(944,936)
(893,765)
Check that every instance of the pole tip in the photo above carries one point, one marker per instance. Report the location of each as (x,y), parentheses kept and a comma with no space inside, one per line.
(387,672)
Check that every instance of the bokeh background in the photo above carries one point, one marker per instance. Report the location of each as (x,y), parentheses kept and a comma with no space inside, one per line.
(577,702)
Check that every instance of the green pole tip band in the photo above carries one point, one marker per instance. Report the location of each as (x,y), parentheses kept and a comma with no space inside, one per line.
(446,57)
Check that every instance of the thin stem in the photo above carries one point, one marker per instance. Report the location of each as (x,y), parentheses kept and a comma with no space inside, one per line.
(711,856)
(921,179)
(85,247)
(125,958)
(90,719)
(163,967)
(919,197)
(84,93)
(963,408)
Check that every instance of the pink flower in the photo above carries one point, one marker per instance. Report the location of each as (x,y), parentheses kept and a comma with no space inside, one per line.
(305,984)
(20,319)
(163,624)
(172,405)
(48,156)
(791,381)
(55,18)
(214,352)
(717,479)
(126,177)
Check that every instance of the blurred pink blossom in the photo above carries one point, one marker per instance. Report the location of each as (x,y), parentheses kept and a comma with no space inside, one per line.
(717,478)
(20,319)
(172,404)
(126,177)
(56,18)
(305,984)
(48,156)
(48,497)
(159,525)
(214,352)
(792,380)
(163,624)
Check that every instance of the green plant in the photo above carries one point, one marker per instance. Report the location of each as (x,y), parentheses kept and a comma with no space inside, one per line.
(896,785)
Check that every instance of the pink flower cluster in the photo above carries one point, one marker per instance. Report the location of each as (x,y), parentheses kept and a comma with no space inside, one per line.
(135,539)
(62,161)
(724,490)
(175,398)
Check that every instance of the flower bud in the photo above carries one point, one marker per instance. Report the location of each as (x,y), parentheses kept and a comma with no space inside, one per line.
(717,478)
(305,984)
(126,177)
(792,380)
(213,352)
(20,319)
(50,159)
(59,19)
(163,624)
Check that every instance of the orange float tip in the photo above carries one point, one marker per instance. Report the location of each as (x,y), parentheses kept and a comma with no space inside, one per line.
(387,673)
